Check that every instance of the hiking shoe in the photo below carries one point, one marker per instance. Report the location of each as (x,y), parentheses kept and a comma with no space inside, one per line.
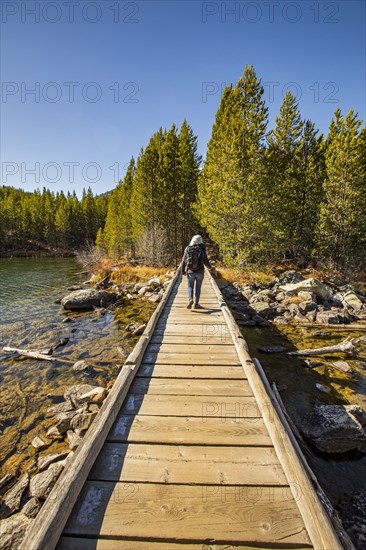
(190,303)
(196,306)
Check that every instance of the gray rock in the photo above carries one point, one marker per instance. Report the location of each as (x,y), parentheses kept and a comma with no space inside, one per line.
(74,393)
(280,321)
(350,299)
(41,484)
(96,396)
(332,430)
(307,296)
(32,508)
(311,364)
(38,443)
(13,498)
(82,421)
(154,283)
(343,366)
(88,299)
(290,276)
(280,296)
(322,291)
(262,309)
(328,317)
(45,461)
(73,440)
(306,307)
(322,388)
(64,421)
(6,482)
(155,298)
(65,406)
(53,433)
(13,530)
(81,366)
(357,412)
(137,287)
(143,291)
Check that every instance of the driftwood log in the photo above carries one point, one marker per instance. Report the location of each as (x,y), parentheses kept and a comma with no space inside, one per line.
(28,353)
(346,346)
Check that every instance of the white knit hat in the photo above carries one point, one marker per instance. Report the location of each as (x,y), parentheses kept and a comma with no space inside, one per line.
(196,239)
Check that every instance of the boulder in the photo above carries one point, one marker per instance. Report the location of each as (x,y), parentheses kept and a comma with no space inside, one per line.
(82,421)
(154,283)
(74,393)
(53,433)
(32,508)
(87,299)
(343,366)
(41,484)
(262,309)
(45,461)
(143,291)
(95,396)
(13,498)
(332,430)
(13,530)
(64,421)
(350,299)
(73,440)
(329,317)
(38,443)
(290,277)
(155,298)
(321,291)
(81,366)
(65,406)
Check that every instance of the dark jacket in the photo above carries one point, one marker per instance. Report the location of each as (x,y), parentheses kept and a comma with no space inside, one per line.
(205,261)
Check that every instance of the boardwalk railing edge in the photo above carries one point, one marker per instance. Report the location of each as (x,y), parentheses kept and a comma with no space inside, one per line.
(316,519)
(46,529)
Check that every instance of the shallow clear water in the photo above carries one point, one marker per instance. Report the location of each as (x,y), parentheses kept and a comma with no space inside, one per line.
(31,319)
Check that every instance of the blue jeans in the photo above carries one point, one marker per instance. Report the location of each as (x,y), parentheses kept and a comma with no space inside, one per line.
(192,278)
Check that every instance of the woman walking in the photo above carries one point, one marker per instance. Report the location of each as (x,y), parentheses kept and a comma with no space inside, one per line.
(193,265)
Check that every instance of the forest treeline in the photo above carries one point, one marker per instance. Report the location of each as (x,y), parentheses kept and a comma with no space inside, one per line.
(260,196)
(44,218)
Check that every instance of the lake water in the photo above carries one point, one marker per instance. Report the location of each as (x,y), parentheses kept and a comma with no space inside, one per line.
(31,319)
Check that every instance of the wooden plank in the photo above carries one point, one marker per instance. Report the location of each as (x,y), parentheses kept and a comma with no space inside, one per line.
(190,431)
(220,330)
(191,513)
(192,358)
(188,348)
(195,371)
(191,339)
(191,387)
(188,464)
(185,405)
(80,543)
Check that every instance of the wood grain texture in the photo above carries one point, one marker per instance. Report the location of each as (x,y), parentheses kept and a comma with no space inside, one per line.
(191,387)
(187,512)
(223,372)
(186,405)
(188,464)
(185,430)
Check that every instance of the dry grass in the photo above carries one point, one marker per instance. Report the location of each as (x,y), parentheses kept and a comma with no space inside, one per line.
(248,277)
(293,300)
(125,272)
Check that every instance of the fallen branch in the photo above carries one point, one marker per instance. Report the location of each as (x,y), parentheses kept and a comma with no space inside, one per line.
(346,346)
(28,353)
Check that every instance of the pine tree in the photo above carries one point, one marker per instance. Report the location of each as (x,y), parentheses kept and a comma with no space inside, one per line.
(341,232)
(231,186)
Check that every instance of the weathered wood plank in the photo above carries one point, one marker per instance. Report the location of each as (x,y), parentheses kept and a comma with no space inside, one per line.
(201,513)
(192,358)
(189,339)
(188,465)
(186,347)
(196,371)
(185,405)
(191,387)
(220,330)
(190,431)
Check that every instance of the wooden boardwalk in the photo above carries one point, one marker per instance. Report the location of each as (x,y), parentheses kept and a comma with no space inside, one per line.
(190,461)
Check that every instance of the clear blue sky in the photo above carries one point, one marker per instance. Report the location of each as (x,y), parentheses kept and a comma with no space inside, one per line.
(168,60)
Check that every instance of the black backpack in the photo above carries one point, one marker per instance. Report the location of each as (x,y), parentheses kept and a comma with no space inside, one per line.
(195,257)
